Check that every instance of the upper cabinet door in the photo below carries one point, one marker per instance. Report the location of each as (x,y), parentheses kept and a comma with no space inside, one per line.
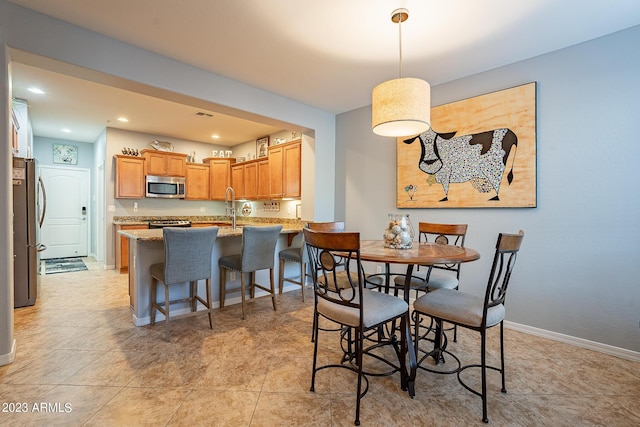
(276,162)
(165,163)
(219,176)
(291,181)
(285,170)
(129,177)
(197,182)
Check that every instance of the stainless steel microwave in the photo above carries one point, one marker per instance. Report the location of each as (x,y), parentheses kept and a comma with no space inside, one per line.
(169,187)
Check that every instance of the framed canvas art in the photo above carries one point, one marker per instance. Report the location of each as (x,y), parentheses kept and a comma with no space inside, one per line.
(261,147)
(66,154)
(480,152)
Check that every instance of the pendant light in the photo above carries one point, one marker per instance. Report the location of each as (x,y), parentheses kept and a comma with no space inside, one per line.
(401,107)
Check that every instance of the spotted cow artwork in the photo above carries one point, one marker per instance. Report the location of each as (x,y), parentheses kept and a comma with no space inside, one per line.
(479,159)
(480,152)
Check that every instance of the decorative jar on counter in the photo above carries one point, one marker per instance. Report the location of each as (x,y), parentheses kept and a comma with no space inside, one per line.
(399,232)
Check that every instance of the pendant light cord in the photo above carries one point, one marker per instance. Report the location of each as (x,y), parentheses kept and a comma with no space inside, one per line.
(400,43)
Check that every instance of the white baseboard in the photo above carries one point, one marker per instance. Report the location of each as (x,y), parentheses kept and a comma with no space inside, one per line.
(578,342)
(5,359)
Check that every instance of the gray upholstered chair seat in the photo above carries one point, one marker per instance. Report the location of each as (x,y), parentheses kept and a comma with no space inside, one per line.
(375,280)
(458,307)
(437,280)
(157,271)
(441,280)
(291,254)
(231,262)
(377,308)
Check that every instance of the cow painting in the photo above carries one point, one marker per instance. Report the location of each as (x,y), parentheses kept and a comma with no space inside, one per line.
(479,158)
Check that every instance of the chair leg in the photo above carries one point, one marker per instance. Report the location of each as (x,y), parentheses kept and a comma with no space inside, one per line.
(252,284)
(152,300)
(223,285)
(192,293)
(504,385)
(166,309)
(281,276)
(303,277)
(483,359)
(208,285)
(273,289)
(360,345)
(314,338)
(314,327)
(242,293)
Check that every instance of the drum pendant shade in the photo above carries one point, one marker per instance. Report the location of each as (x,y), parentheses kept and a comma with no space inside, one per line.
(400,107)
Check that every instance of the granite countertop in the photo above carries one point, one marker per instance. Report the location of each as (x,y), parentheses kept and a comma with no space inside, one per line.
(156,233)
(221,219)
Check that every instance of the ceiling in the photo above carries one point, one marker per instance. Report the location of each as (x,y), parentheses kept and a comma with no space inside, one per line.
(328,54)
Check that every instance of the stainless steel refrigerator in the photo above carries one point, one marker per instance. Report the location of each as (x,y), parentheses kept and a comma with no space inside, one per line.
(29,206)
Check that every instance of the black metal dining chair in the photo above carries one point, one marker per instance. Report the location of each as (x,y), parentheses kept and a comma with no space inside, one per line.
(471,312)
(357,309)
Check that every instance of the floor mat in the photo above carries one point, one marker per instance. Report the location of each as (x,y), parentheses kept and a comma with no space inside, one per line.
(63,265)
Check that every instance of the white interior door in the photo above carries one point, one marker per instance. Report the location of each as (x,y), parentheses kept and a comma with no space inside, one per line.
(65,228)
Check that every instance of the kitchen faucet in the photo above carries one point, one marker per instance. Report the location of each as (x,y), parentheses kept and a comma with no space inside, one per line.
(230,211)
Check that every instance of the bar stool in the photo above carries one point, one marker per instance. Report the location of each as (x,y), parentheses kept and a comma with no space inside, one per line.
(294,253)
(258,250)
(187,258)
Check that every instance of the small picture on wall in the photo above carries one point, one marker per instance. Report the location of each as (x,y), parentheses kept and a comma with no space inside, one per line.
(66,154)
(261,146)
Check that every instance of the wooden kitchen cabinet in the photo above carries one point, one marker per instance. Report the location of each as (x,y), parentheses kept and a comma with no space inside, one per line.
(197,182)
(129,177)
(285,170)
(124,245)
(164,163)
(237,181)
(244,179)
(219,176)
(263,179)
(251,180)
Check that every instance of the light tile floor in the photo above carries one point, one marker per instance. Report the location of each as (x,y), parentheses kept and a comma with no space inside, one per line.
(81,362)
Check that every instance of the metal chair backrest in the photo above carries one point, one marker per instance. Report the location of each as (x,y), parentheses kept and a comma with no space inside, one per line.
(326,250)
(188,253)
(259,246)
(444,234)
(504,260)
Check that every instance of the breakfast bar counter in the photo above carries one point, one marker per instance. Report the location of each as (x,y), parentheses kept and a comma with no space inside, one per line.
(146,248)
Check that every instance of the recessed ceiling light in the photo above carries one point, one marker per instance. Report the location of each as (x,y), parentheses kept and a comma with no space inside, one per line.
(65,130)
(36,90)
(215,136)
(123,119)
